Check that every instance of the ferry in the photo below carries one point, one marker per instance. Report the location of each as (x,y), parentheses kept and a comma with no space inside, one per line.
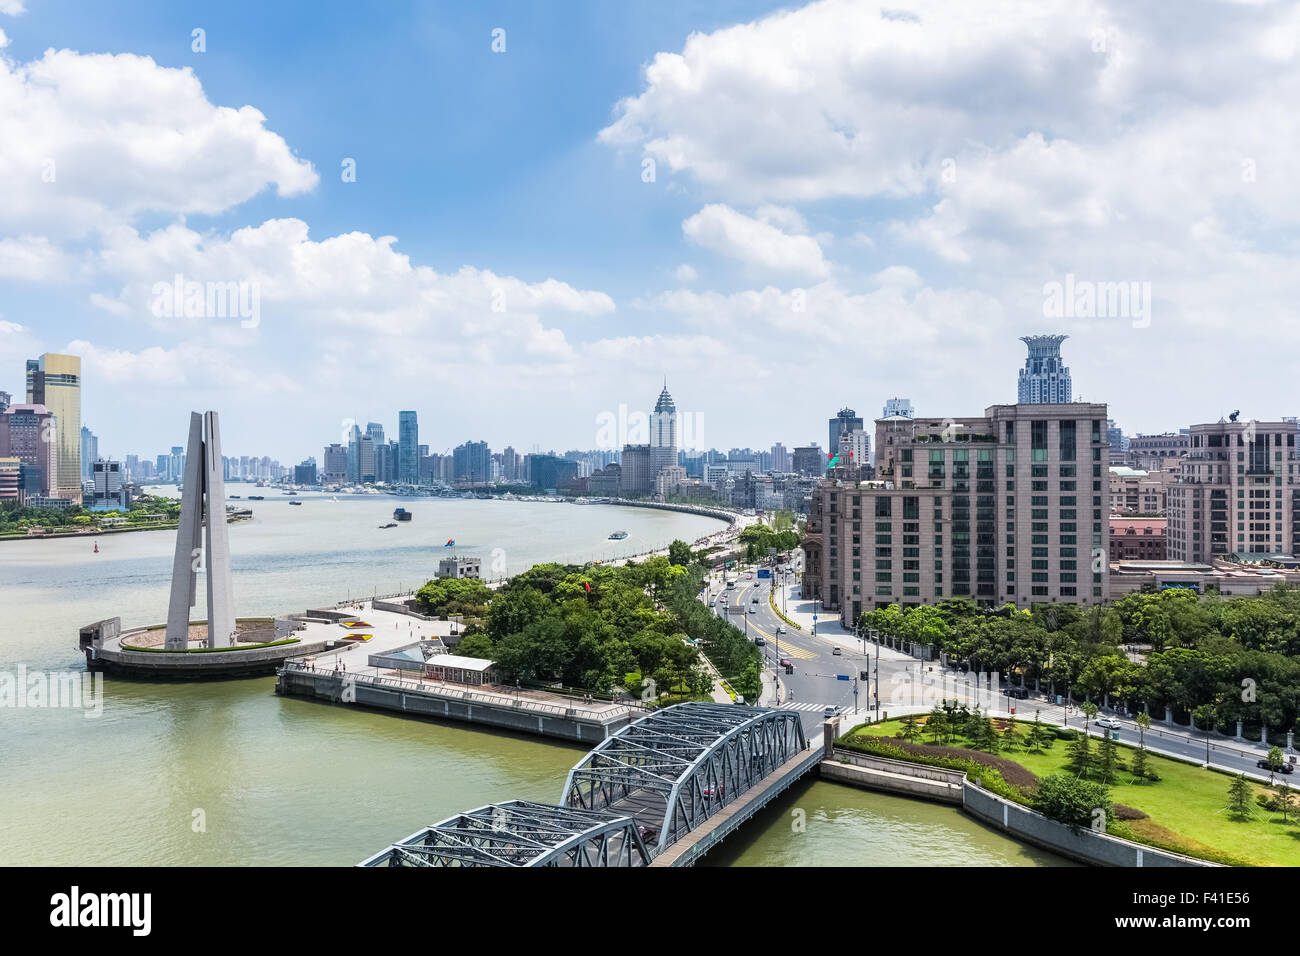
(618,536)
(401,514)
(256,498)
(295,502)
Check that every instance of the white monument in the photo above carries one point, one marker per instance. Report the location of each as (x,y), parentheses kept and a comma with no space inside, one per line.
(203,505)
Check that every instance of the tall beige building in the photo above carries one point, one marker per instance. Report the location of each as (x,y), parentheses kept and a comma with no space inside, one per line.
(1236,493)
(1006,507)
(55,381)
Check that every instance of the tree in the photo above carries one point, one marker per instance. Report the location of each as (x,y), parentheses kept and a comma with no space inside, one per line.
(1107,758)
(983,735)
(1239,796)
(1143,721)
(910,729)
(936,723)
(1076,803)
(1140,764)
(1285,799)
(1080,759)
(1090,714)
(1274,758)
(679,553)
(1010,736)
(1036,736)
(477,644)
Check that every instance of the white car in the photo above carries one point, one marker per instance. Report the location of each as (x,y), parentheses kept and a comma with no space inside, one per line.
(780,629)
(1109,723)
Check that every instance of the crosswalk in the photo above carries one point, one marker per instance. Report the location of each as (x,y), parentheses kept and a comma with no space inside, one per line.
(806,708)
(793,652)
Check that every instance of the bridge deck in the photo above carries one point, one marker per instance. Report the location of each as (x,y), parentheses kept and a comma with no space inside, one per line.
(695,844)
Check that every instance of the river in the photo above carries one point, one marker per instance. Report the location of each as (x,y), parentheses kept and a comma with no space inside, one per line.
(229,774)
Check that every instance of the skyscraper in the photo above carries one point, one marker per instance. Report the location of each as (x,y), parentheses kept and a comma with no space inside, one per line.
(30,434)
(89,452)
(663,433)
(55,381)
(1044,380)
(846,421)
(408,449)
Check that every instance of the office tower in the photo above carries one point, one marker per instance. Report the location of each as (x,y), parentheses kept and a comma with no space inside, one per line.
(1236,492)
(1007,507)
(809,461)
(637,471)
(854,449)
(1117,442)
(1044,379)
(5,401)
(108,492)
(472,463)
(305,474)
(550,472)
(203,507)
(408,448)
(334,463)
(365,459)
(846,421)
(663,434)
(354,450)
(55,381)
(176,464)
(89,452)
(30,434)
(898,408)
(780,459)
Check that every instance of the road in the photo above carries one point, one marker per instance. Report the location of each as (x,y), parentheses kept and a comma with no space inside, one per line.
(824,678)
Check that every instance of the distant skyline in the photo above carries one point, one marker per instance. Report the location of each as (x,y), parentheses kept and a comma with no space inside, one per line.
(850,201)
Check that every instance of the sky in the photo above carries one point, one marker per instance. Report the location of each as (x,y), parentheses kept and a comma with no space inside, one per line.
(518,219)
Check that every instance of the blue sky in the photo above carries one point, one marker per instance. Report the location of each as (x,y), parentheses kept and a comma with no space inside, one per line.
(851,201)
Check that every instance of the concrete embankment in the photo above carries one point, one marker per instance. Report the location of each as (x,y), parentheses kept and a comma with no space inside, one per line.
(902,778)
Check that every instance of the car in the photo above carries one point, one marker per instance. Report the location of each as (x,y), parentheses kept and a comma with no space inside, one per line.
(1110,723)
(760,642)
(1019,693)
(753,609)
(828,711)
(780,629)
(836,651)
(712,603)
(1278,768)
(786,662)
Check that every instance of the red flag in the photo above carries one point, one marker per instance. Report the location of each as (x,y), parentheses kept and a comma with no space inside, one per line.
(588,584)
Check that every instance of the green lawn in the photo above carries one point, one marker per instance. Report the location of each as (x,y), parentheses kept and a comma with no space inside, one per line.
(1186,808)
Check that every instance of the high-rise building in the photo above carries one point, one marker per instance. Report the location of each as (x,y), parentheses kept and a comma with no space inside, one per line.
(11,476)
(780,459)
(549,472)
(89,452)
(408,448)
(30,434)
(638,474)
(1118,443)
(305,474)
(5,401)
(809,461)
(366,471)
(55,381)
(663,433)
(898,408)
(1007,507)
(334,464)
(108,492)
(846,421)
(1044,379)
(1237,492)
(472,463)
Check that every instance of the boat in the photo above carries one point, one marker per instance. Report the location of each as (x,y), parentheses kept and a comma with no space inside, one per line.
(618,536)
(256,498)
(234,497)
(295,502)
(391,524)
(401,514)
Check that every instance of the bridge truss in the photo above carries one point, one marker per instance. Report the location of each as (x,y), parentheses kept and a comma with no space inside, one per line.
(676,768)
(521,833)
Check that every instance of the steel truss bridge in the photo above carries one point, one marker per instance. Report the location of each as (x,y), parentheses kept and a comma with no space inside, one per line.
(634,796)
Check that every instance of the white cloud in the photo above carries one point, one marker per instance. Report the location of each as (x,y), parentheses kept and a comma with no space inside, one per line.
(32,258)
(4,40)
(94,140)
(11,8)
(721,229)
(685,273)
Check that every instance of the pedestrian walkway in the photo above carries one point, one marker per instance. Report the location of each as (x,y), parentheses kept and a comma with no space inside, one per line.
(806,708)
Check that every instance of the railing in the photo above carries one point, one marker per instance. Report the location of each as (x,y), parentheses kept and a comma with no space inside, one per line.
(495,698)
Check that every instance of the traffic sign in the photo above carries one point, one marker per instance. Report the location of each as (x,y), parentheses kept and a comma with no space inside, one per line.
(841,676)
